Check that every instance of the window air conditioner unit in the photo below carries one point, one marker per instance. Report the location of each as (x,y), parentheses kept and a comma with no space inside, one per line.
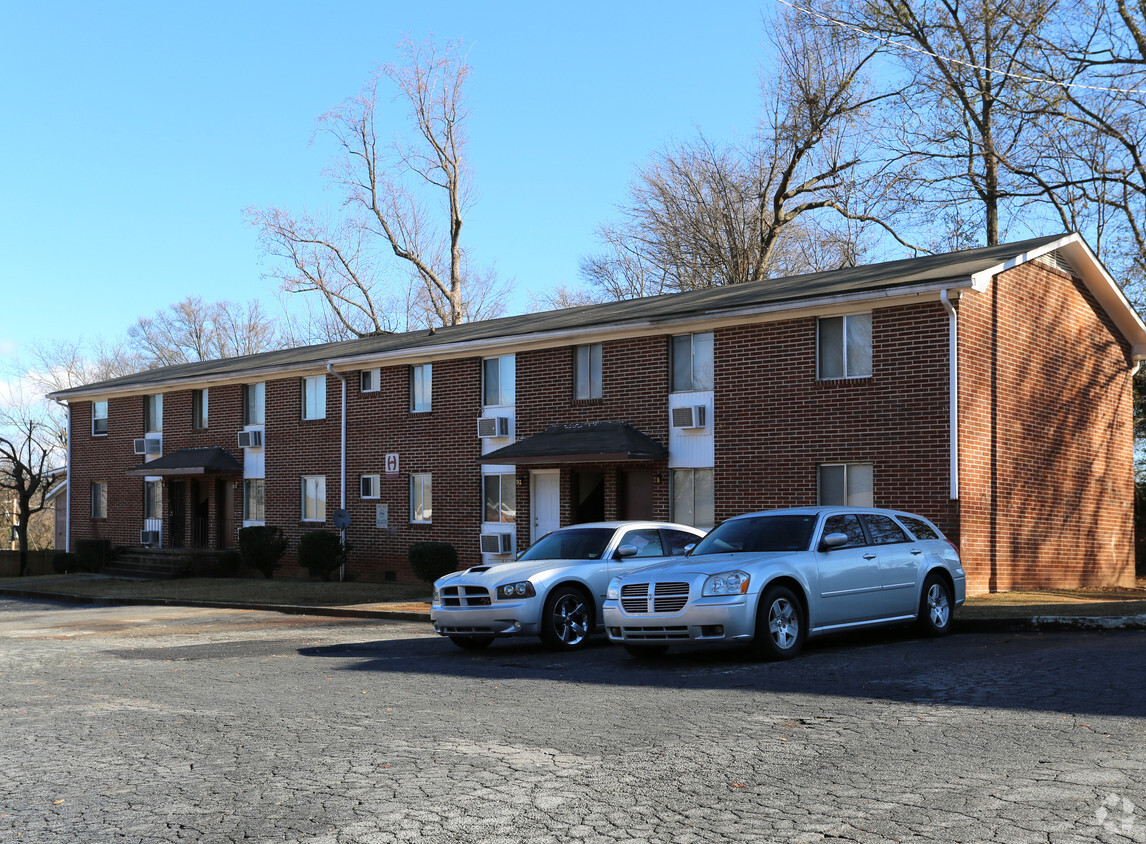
(493,426)
(149,537)
(250,439)
(148,445)
(497,543)
(692,416)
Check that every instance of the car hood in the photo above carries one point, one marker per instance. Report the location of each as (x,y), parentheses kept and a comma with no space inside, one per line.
(707,564)
(492,575)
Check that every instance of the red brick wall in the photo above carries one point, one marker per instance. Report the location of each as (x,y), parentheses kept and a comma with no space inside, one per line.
(1046,449)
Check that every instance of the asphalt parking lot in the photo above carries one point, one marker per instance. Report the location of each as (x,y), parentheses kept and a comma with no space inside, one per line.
(148,724)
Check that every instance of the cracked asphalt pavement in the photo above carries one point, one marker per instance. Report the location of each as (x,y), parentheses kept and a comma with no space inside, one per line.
(153,724)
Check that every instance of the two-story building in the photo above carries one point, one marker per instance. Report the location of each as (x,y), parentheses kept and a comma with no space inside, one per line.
(989,390)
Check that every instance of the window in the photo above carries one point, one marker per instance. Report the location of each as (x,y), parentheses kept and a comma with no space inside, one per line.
(421,387)
(848,525)
(152,499)
(314,498)
(844,347)
(692,362)
(421,498)
(153,414)
(847,485)
(587,372)
(370,486)
(254,403)
(884,531)
(692,497)
(199,409)
(920,528)
(500,498)
(99,418)
(314,397)
(99,499)
(647,541)
(498,376)
(370,380)
(254,499)
(679,541)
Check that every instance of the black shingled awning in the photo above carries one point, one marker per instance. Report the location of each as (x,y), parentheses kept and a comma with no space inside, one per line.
(595,442)
(191,461)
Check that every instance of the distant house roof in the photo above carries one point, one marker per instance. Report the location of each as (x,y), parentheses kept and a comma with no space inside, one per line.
(927,274)
(595,442)
(190,461)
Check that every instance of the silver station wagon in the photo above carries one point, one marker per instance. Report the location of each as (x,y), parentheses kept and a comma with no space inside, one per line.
(555,588)
(775,578)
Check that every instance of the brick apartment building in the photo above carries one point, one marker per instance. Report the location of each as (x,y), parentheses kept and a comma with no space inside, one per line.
(988,389)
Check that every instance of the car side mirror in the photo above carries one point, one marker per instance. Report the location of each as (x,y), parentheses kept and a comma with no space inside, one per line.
(626,551)
(688,548)
(834,540)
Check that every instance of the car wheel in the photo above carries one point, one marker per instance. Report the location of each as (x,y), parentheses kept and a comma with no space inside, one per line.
(472,643)
(780,624)
(567,619)
(646,651)
(935,606)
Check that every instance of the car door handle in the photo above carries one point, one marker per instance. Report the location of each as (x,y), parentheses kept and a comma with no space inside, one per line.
(916,552)
(869,556)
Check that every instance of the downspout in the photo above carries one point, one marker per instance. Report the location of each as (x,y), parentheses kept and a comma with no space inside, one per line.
(68,493)
(953,389)
(342,473)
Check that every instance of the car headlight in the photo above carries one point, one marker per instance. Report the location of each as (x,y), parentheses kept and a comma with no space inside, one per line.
(614,593)
(726,583)
(437,599)
(521,589)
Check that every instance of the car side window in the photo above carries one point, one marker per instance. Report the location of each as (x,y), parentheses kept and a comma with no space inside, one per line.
(849,525)
(677,541)
(920,528)
(884,530)
(647,541)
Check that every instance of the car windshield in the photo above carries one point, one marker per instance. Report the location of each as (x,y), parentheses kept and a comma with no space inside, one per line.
(761,533)
(582,544)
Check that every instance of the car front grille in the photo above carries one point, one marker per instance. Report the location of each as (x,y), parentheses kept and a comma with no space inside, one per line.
(465,596)
(666,597)
(654,634)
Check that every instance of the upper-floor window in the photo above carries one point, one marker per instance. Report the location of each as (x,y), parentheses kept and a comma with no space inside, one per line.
(153,414)
(99,499)
(421,388)
(314,397)
(847,485)
(198,408)
(254,403)
(692,362)
(587,371)
(421,498)
(844,346)
(99,418)
(370,380)
(314,498)
(498,376)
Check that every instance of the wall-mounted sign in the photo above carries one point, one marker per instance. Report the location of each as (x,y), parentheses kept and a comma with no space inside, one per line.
(392,466)
(382,516)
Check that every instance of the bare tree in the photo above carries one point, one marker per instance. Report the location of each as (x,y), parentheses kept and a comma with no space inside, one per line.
(30,449)
(405,198)
(194,330)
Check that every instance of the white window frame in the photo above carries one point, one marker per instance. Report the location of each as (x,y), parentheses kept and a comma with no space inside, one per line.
(259,517)
(849,493)
(375,486)
(677,478)
(422,388)
(152,495)
(153,414)
(258,392)
(199,409)
(97,417)
(587,372)
(421,492)
(314,397)
(99,499)
(695,385)
(507,491)
(370,380)
(506,381)
(844,363)
(314,489)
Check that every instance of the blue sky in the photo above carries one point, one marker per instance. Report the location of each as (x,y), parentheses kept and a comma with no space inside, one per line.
(135,134)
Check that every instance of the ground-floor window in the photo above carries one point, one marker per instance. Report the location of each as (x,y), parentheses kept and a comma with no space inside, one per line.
(254,500)
(500,498)
(847,485)
(99,499)
(314,498)
(153,499)
(421,498)
(693,501)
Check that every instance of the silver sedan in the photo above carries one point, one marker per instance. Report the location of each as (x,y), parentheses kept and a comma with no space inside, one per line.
(555,588)
(773,579)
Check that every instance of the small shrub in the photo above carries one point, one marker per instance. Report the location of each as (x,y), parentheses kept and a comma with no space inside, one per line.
(320,552)
(63,562)
(91,554)
(431,560)
(228,564)
(262,547)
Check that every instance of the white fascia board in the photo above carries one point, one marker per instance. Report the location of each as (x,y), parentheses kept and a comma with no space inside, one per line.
(1094,275)
(247,376)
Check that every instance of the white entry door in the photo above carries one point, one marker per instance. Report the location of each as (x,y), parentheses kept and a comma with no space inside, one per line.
(544,502)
